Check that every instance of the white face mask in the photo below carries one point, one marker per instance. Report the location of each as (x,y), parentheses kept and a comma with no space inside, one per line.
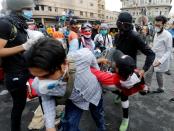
(87,36)
(157,29)
(50,87)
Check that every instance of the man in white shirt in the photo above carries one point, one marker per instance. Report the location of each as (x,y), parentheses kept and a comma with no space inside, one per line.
(162,47)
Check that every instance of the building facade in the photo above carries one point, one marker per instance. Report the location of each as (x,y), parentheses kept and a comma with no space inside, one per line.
(111,16)
(46,11)
(149,8)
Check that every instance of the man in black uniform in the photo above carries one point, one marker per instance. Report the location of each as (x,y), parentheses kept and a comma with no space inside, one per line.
(129,42)
(13,42)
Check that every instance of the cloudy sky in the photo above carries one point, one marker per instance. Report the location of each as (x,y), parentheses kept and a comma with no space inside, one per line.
(115,5)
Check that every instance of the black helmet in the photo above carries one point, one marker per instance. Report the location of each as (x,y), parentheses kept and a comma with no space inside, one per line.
(125,17)
(124,21)
(125,64)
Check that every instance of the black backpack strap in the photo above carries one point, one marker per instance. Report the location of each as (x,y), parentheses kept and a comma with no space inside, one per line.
(80,42)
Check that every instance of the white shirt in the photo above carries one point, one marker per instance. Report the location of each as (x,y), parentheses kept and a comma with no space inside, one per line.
(162,47)
(104,40)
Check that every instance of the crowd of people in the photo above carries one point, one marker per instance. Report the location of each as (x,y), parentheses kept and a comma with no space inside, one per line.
(66,65)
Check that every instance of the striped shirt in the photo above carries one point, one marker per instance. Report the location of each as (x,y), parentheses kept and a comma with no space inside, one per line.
(86,87)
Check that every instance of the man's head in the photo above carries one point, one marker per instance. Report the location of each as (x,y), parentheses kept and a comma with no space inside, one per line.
(160,22)
(125,64)
(86,30)
(73,24)
(96,25)
(23,7)
(124,22)
(104,29)
(46,59)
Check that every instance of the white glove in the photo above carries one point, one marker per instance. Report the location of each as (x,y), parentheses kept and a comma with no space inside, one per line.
(34,36)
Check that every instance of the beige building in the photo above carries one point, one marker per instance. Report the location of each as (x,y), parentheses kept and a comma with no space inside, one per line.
(46,11)
(111,16)
(150,8)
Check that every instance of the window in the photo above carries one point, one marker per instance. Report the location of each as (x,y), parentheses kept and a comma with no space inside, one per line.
(36,7)
(91,14)
(56,9)
(81,1)
(86,14)
(91,4)
(81,13)
(49,8)
(42,7)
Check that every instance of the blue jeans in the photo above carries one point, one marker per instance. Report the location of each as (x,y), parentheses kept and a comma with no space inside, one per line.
(73,114)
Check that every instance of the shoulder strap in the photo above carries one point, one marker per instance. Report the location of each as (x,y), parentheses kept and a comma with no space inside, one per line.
(80,42)
(70,82)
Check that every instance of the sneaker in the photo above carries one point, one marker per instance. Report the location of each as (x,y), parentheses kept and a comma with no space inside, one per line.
(168,73)
(159,90)
(117,99)
(171,100)
(124,125)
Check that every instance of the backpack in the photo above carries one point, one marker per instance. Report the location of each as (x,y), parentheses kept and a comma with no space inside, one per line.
(70,77)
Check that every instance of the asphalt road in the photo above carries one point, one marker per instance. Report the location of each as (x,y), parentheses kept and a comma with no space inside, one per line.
(152,112)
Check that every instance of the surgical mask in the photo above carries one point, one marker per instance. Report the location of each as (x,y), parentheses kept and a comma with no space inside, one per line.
(103,32)
(50,87)
(157,29)
(87,36)
(28,14)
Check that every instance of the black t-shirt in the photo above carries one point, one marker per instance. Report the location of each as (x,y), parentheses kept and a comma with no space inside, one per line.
(14,63)
(130,43)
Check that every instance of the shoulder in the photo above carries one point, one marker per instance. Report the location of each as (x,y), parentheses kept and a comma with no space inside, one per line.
(34,33)
(80,53)
(135,34)
(4,22)
(5,28)
(167,34)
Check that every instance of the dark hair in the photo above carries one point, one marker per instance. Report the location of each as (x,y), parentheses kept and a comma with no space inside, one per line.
(161,18)
(47,54)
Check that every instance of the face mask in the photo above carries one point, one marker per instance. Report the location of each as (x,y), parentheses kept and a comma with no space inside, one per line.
(28,14)
(50,87)
(87,36)
(124,26)
(103,32)
(157,29)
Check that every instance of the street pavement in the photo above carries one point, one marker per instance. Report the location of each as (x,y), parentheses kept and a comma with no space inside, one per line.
(152,112)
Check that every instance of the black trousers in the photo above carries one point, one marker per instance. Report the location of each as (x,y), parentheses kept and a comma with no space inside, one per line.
(16,85)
